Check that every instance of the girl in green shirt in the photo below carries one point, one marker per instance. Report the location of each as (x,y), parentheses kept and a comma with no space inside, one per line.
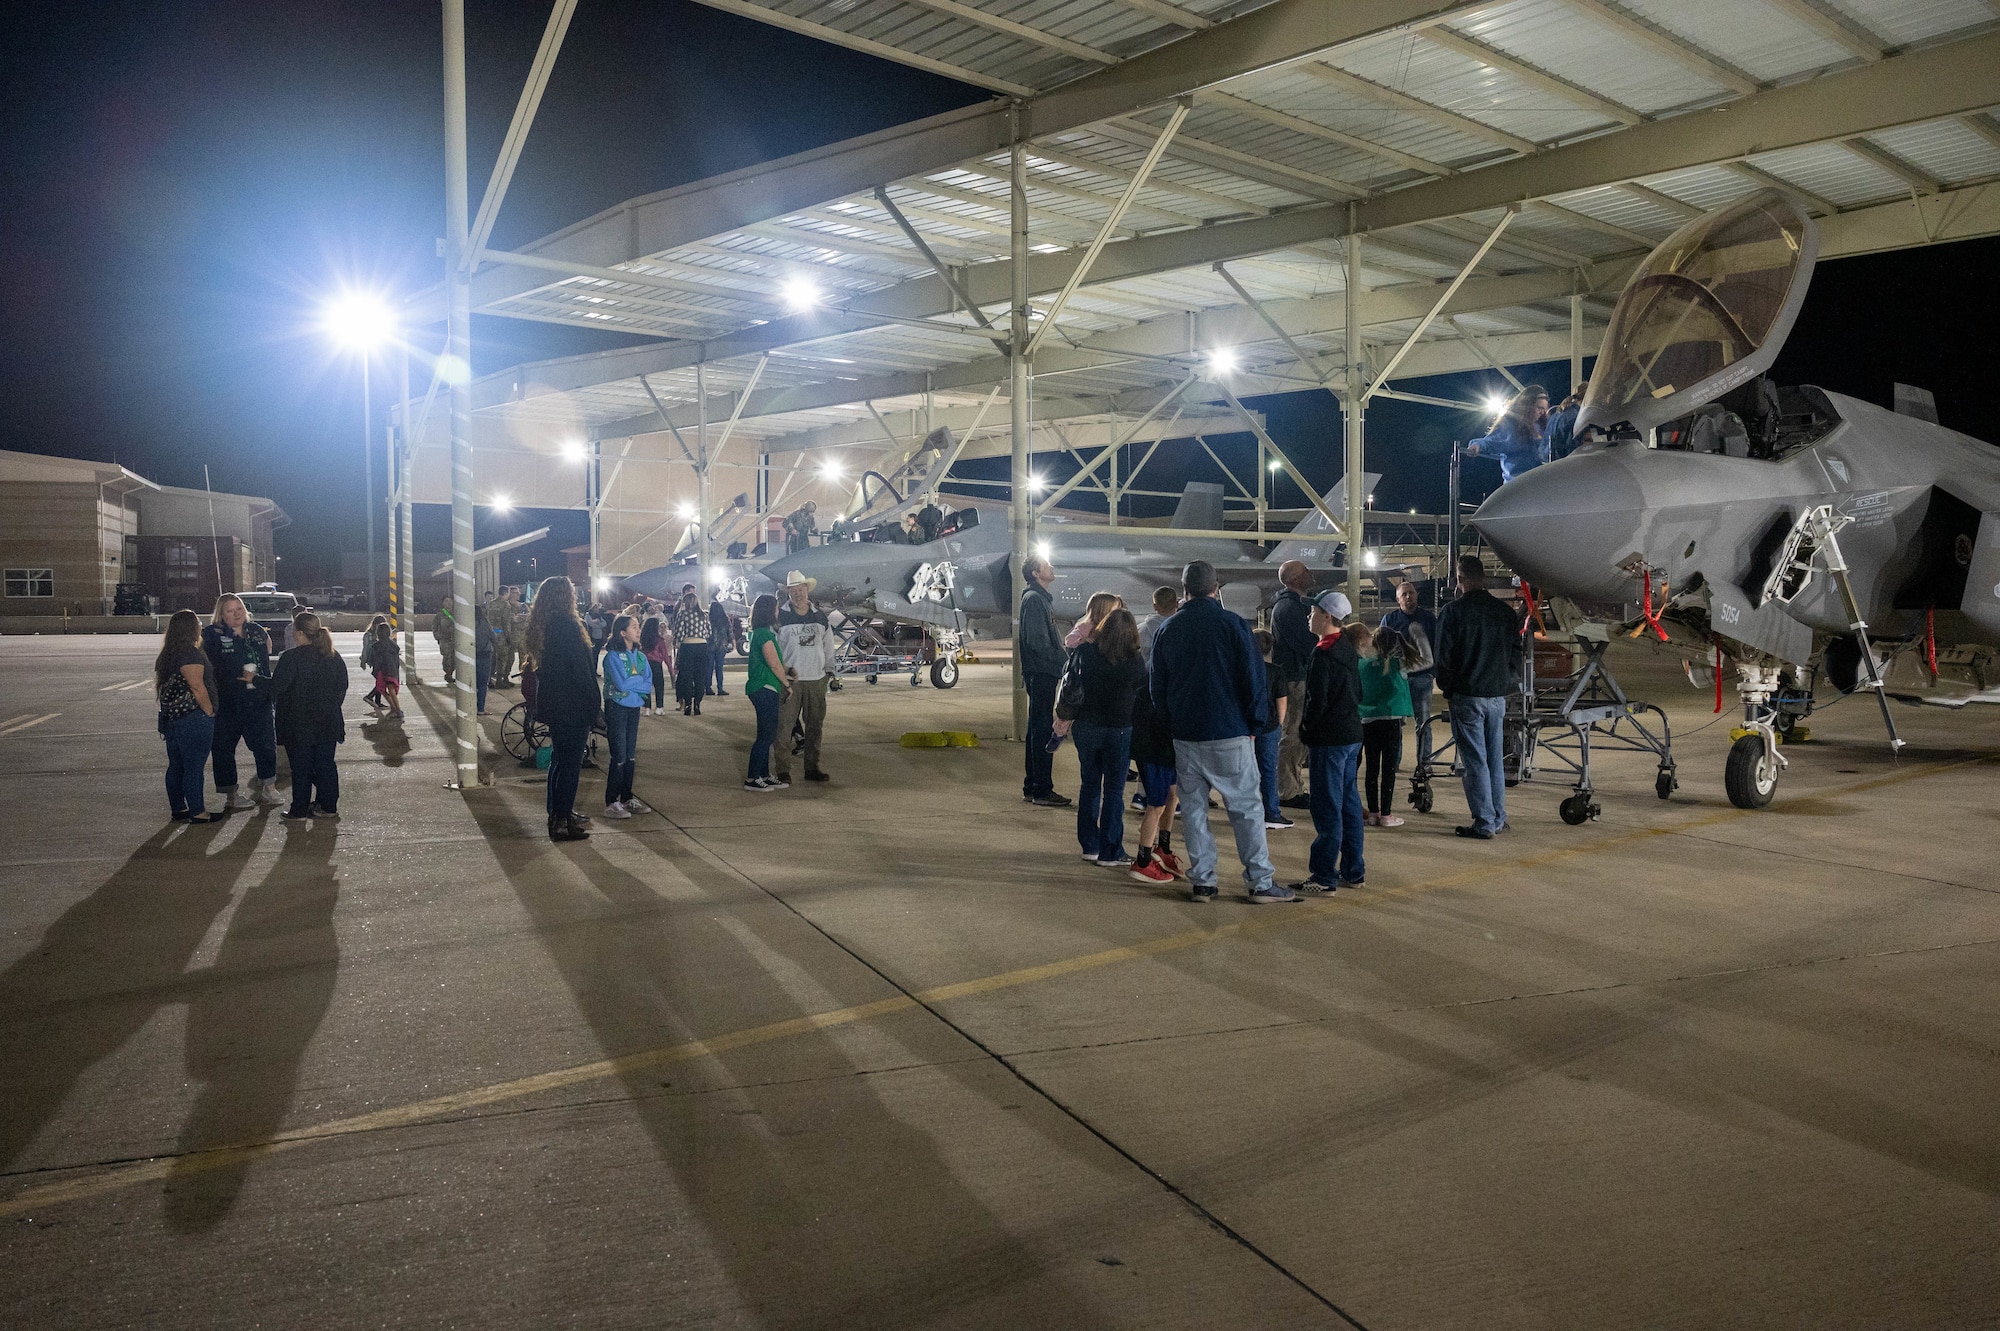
(1385,702)
(767,687)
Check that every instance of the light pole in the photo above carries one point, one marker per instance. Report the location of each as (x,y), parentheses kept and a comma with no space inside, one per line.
(362,321)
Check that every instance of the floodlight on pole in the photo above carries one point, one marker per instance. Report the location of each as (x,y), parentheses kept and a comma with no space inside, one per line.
(363,322)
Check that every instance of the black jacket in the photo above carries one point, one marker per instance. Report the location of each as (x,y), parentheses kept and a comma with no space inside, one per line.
(1478,648)
(567,694)
(1040,645)
(1333,695)
(1208,680)
(1291,634)
(308,689)
(1108,688)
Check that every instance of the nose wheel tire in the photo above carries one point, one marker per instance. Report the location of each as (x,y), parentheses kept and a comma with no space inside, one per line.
(1751,778)
(944,672)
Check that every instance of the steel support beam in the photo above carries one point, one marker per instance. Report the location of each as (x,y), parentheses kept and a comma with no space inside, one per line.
(1111,450)
(1018,422)
(517,130)
(1354,405)
(457,366)
(1353,320)
(944,273)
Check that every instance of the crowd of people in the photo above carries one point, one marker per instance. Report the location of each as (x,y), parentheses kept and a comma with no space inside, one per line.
(1207,711)
(1213,713)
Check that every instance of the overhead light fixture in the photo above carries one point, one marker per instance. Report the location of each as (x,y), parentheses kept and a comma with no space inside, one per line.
(1222,360)
(685,512)
(359,320)
(501,503)
(1368,559)
(800,294)
(1496,404)
(603,584)
(1042,549)
(575,451)
(718,576)
(831,469)
(1036,484)
(1276,465)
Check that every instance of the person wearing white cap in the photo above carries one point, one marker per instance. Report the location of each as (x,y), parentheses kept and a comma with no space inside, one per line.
(1331,729)
(805,641)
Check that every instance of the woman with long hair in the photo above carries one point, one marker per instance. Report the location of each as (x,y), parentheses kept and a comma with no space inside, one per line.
(1112,672)
(628,683)
(691,630)
(767,687)
(1095,609)
(1385,705)
(567,699)
(240,651)
(185,683)
(657,648)
(1519,439)
(308,688)
(387,661)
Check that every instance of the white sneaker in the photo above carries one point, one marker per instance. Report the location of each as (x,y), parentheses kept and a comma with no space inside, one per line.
(265,792)
(635,805)
(772,783)
(1090,855)
(1388,820)
(237,800)
(616,810)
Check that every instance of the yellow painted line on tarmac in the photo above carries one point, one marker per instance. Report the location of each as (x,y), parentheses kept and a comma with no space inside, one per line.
(418,1112)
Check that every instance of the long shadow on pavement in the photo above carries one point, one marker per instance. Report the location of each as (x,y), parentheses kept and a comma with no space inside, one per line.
(825,1206)
(106,966)
(251,1016)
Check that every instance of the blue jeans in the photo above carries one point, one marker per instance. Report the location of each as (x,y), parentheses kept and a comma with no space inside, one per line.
(1420,706)
(565,766)
(1229,768)
(766,703)
(1336,811)
(718,652)
(1478,727)
(248,720)
(1267,772)
(1041,775)
(315,776)
(189,740)
(484,660)
(1102,752)
(621,736)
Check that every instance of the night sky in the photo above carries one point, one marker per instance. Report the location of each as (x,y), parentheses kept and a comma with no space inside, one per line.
(184,184)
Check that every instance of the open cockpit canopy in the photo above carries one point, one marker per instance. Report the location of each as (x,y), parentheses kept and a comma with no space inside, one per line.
(1705,313)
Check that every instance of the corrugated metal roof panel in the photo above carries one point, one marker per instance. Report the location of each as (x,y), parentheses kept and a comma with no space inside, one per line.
(1760,39)
(1408,64)
(1554,37)
(1833,173)
(1301,94)
(1906,22)
(1944,148)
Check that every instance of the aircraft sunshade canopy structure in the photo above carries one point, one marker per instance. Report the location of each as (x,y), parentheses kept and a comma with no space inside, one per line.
(1704,313)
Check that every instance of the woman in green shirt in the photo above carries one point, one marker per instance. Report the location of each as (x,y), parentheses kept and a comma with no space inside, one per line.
(1385,702)
(767,689)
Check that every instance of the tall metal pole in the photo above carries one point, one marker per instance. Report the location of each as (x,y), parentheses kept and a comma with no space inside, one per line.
(701,495)
(1575,342)
(593,498)
(1353,409)
(458,350)
(1017,389)
(405,556)
(389,473)
(368,475)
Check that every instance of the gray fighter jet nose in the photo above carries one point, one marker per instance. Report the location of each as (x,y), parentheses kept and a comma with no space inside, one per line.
(1569,524)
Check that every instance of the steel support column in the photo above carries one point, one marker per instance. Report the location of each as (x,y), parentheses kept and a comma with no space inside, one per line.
(400,518)
(701,493)
(1575,342)
(1354,403)
(1017,406)
(458,374)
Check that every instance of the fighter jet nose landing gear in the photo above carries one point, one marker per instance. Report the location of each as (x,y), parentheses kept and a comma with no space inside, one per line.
(1751,776)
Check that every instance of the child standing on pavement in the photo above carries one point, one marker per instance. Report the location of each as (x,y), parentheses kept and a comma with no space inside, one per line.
(386,657)
(1331,729)
(1268,739)
(1385,704)
(628,683)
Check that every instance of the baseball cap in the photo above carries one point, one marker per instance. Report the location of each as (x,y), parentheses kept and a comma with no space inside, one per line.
(1335,604)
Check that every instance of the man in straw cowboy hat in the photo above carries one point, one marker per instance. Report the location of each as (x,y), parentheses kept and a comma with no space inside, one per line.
(805,642)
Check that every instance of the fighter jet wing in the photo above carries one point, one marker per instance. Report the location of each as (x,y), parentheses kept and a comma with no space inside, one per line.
(1991,696)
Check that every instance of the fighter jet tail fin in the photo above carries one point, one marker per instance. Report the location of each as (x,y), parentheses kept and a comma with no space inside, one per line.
(1916,403)
(1200,508)
(1315,540)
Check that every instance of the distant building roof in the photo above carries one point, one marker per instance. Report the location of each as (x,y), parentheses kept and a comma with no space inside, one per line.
(47,470)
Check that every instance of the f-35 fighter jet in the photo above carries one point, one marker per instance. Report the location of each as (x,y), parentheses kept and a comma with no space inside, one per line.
(1803,533)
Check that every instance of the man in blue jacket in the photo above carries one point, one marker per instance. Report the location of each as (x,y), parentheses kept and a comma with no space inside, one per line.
(1209,692)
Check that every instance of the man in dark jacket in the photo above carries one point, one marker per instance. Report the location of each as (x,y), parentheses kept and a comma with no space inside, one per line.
(1331,729)
(1208,690)
(1042,659)
(1478,668)
(1419,628)
(1292,647)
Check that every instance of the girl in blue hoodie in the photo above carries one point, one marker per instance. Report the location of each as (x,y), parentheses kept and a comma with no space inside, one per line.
(628,686)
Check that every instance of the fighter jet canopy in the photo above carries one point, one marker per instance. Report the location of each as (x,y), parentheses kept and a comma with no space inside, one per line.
(1706,312)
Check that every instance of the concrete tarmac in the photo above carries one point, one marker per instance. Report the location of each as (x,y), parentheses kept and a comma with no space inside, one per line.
(885,1053)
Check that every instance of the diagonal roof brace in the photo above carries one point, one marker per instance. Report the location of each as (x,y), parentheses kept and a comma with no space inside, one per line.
(1257,428)
(945,275)
(1423,324)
